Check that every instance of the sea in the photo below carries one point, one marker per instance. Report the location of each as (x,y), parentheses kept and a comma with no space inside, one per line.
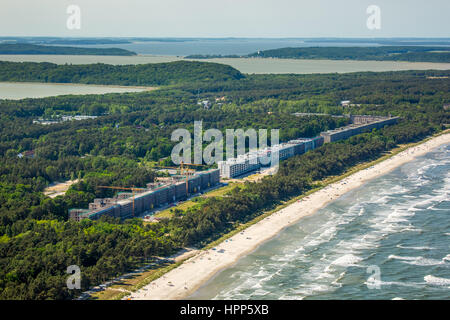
(388,239)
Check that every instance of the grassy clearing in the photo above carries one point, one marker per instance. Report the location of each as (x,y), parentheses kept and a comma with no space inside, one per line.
(108,294)
(168,213)
(219,192)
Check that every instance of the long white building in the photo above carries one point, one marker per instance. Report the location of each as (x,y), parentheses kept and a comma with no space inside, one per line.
(237,166)
(246,163)
(254,160)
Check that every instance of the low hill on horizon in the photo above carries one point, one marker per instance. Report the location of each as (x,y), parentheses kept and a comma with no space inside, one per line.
(382,53)
(25,48)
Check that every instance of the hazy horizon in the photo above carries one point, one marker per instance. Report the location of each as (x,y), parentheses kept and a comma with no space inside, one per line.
(226,19)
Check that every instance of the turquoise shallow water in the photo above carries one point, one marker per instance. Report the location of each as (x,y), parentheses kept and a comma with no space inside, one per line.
(397,224)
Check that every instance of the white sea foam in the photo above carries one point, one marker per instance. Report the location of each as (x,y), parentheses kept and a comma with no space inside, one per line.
(300,249)
(397,283)
(415,248)
(394,218)
(290,297)
(363,243)
(425,262)
(417,261)
(260,292)
(339,278)
(312,289)
(397,189)
(356,209)
(437,281)
(441,196)
(411,229)
(382,200)
(323,235)
(392,256)
(347,260)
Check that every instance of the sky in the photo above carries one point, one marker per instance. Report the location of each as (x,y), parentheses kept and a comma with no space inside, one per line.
(225,18)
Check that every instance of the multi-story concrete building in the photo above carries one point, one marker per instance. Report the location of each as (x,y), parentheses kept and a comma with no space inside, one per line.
(264,158)
(362,124)
(122,207)
(238,166)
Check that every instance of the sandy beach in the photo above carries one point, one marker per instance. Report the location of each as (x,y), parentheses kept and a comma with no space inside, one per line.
(189,276)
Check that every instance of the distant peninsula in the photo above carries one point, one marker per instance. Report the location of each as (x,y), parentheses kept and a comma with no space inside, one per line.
(25,48)
(381,53)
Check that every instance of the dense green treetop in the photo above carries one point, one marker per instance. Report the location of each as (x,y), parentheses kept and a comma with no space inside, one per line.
(128,75)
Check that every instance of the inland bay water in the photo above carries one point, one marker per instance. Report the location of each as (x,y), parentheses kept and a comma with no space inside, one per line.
(245,65)
(18,90)
(396,226)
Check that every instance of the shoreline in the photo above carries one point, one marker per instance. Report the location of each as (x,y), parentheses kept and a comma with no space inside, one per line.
(183,281)
(143,88)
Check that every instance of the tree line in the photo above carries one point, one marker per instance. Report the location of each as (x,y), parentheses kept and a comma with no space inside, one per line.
(153,74)
(380,53)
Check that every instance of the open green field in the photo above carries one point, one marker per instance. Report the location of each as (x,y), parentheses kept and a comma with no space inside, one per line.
(219,192)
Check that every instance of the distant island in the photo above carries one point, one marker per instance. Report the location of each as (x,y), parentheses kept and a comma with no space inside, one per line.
(384,41)
(25,48)
(382,53)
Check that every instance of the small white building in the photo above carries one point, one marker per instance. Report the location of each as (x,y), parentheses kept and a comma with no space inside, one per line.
(205,103)
(26,154)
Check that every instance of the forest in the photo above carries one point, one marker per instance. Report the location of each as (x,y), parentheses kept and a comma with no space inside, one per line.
(25,48)
(127,75)
(132,132)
